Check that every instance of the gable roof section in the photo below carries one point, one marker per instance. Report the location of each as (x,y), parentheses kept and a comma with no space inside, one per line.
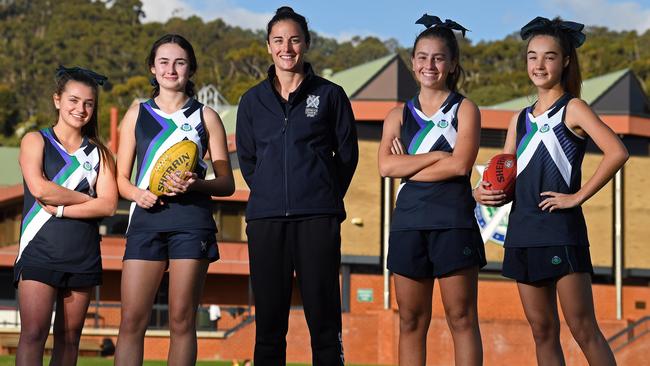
(626,96)
(374,88)
(393,83)
(592,90)
(618,97)
(355,79)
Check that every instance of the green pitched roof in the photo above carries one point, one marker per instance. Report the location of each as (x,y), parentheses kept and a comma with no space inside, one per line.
(354,78)
(592,89)
(11,174)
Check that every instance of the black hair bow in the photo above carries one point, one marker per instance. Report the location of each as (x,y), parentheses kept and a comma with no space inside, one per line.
(433,21)
(572,29)
(98,78)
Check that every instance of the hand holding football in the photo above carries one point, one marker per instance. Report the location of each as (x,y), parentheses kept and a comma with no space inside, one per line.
(501,173)
(180,157)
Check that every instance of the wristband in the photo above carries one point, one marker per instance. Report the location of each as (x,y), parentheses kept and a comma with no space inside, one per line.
(59,211)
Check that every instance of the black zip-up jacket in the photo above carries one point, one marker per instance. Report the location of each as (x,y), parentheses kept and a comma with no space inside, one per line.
(298,157)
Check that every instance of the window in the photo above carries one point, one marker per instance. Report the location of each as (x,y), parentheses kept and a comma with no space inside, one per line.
(231,221)
(493,138)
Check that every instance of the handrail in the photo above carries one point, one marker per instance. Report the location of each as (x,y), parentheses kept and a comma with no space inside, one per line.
(244,312)
(247,320)
(630,332)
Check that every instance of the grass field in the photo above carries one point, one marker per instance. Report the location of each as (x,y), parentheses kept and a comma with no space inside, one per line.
(97,361)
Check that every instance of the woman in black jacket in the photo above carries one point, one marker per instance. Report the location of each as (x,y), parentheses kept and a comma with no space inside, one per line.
(297,150)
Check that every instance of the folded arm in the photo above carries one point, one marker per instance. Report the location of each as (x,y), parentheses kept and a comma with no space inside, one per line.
(462,159)
(105,203)
(31,166)
(392,158)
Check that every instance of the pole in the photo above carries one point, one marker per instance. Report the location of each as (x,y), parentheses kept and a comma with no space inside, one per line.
(618,241)
(386,213)
(96,306)
(114,132)
(345,288)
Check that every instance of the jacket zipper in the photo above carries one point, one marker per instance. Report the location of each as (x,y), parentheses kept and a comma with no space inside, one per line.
(286,175)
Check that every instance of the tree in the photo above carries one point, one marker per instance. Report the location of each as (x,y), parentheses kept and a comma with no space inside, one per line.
(8,110)
(109,37)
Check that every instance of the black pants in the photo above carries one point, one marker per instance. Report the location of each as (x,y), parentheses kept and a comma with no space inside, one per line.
(311,247)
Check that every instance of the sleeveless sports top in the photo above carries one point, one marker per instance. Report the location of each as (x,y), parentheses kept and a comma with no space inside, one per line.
(61,244)
(432,205)
(155,132)
(549,157)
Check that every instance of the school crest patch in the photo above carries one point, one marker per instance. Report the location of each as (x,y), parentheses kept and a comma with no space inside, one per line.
(311,109)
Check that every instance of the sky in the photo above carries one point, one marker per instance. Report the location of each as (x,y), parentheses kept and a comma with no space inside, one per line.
(343,19)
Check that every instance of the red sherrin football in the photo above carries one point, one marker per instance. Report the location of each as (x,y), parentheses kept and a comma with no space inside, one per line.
(501,173)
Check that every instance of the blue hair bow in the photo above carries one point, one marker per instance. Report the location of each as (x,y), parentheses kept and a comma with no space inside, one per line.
(572,29)
(98,78)
(433,21)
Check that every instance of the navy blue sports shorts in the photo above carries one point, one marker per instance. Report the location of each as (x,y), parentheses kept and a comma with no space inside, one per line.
(189,244)
(541,264)
(58,279)
(434,253)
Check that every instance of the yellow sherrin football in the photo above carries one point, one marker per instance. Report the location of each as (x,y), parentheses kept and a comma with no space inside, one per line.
(181,156)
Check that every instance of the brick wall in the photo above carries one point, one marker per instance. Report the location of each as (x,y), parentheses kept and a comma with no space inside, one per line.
(371,333)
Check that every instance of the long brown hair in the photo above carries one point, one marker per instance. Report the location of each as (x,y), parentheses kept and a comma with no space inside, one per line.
(449,38)
(571,79)
(191,59)
(91,129)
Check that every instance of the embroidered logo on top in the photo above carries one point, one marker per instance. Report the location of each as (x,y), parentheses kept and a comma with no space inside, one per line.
(443,123)
(556,260)
(88,166)
(467,251)
(545,128)
(186,127)
(311,109)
